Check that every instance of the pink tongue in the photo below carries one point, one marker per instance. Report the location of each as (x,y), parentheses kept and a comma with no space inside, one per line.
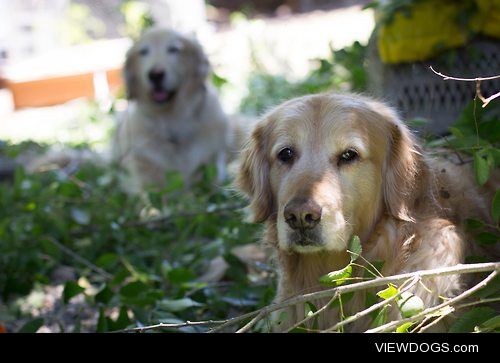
(160,96)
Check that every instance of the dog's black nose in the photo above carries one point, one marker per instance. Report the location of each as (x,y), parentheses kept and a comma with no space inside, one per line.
(156,76)
(302,213)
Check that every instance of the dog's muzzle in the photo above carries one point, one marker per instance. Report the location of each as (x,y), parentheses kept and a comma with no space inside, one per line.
(303,216)
(159,93)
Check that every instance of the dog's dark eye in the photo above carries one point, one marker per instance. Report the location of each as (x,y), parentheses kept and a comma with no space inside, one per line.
(143,52)
(286,155)
(348,156)
(173,49)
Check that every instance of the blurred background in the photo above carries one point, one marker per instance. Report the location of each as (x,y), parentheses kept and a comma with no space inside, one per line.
(53,52)
(78,254)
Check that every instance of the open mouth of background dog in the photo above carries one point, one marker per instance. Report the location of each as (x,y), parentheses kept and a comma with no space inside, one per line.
(161,95)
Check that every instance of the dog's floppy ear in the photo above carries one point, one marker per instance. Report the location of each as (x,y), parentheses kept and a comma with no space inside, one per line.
(129,74)
(200,66)
(404,168)
(253,176)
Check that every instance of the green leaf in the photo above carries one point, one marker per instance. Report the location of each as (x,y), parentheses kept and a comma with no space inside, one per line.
(381,317)
(489,325)
(472,224)
(486,238)
(71,289)
(309,309)
(133,289)
(410,305)
(106,260)
(495,207)
(218,81)
(336,278)
(472,318)
(180,275)
(417,122)
(104,296)
(122,321)
(403,328)
(495,154)
(102,322)
(389,292)
(355,248)
(175,181)
(456,132)
(490,290)
(32,326)
(50,248)
(177,305)
(475,259)
(481,169)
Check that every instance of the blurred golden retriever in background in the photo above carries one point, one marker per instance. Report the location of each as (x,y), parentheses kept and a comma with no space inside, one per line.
(320,169)
(174,120)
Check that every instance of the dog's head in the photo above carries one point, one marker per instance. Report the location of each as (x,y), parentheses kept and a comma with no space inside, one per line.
(323,168)
(161,63)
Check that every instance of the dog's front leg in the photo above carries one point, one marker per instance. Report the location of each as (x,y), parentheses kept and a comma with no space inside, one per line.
(220,164)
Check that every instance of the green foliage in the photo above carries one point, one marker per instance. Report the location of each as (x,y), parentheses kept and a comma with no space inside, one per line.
(388,9)
(79,26)
(355,249)
(343,70)
(389,292)
(495,207)
(475,317)
(151,268)
(339,277)
(490,325)
(71,289)
(31,326)
(137,16)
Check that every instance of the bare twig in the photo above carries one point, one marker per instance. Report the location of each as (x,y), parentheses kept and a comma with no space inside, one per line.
(374,307)
(316,313)
(80,259)
(164,219)
(446,78)
(393,324)
(478,85)
(170,326)
(251,323)
(449,311)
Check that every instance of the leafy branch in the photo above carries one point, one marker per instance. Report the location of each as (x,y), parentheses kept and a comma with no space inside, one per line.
(393,324)
(333,293)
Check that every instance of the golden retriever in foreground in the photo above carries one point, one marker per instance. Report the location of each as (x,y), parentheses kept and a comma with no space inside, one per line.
(322,168)
(174,120)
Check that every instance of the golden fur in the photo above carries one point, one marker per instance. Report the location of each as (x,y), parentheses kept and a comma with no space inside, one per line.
(175,123)
(408,209)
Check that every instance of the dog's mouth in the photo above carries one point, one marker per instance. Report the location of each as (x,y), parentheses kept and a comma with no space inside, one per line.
(161,95)
(304,241)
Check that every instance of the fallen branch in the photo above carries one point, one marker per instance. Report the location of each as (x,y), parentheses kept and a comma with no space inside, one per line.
(394,324)
(259,314)
(169,326)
